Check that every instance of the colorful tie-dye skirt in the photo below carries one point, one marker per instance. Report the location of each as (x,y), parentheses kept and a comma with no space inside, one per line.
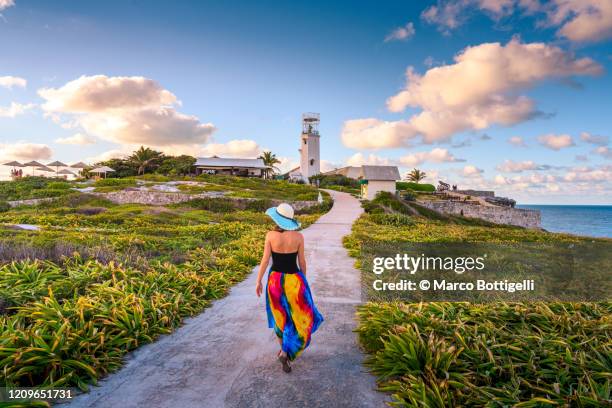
(291,311)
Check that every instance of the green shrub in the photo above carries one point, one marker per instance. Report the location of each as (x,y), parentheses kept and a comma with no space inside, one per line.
(372,208)
(28,188)
(258,205)
(499,354)
(388,200)
(396,220)
(59,185)
(218,205)
(408,196)
(334,180)
(4,206)
(115,182)
(408,185)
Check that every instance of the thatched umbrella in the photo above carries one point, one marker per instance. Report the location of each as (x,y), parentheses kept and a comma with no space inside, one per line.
(57,164)
(33,164)
(14,164)
(45,169)
(80,165)
(66,172)
(102,170)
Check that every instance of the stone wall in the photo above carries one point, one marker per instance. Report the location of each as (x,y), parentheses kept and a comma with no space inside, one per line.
(33,201)
(498,215)
(477,193)
(162,198)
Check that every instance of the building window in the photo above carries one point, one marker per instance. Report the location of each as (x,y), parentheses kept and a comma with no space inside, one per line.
(311,162)
(304,141)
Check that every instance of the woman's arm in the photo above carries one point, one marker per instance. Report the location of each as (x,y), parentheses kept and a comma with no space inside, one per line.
(301,256)
(263,265)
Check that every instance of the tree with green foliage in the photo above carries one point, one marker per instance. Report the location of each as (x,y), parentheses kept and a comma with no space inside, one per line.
(416,175)
(146,159)
(122,167)
(177,165)
(269,160)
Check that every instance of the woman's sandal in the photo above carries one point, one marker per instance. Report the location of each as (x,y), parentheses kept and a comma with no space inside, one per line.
(285,362)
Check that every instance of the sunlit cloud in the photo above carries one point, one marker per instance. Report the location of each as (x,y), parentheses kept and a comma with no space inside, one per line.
(556,142)
(401,33)
(12,81)
(477,91)
(577,20)
(594,139)
(15,109)
(437,155)
(76,139)
(24,151)
(359,159)
(129,110)
(517,141)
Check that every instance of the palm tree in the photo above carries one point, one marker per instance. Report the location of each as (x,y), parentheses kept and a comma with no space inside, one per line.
(416,175)
(145,158)
(269,160)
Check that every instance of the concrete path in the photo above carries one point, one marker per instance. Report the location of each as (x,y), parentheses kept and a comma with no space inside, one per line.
(226,356)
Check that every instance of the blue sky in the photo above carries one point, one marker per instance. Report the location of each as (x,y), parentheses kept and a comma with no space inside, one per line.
(251,69)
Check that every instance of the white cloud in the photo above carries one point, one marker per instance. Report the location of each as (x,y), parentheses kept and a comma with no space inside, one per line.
(594,139)
(11,81)
(582,20)
(509,166)
(234,148)
(401,33)
(471,171)
(604,151)
(4,4)
(24,151)
(153,127)
(111,154)
(359,159)
(556,142)
(374,133)
(76,139)
(326,166)
(15,109)
(127,110)
(289,163)
(477,91)
(450,14)
(99,93)
(517,141)
(581,158)
(588,175)
(436,155)
(578,20)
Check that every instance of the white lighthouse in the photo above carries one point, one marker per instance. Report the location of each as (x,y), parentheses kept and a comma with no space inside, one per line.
(310,156)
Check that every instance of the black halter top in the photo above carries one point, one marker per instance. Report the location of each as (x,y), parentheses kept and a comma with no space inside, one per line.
(284,262)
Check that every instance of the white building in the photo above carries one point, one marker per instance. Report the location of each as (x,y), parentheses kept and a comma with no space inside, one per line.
(310,150)
(233,167)
(374,179)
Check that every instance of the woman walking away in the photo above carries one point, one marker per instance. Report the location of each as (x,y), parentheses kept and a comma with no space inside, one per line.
(291,311)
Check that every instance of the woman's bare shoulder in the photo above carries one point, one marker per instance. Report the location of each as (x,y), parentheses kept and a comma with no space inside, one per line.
(297,235)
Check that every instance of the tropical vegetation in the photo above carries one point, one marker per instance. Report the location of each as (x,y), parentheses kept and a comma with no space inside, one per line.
(100,279)
(270,160)
(416,175)
(468,353)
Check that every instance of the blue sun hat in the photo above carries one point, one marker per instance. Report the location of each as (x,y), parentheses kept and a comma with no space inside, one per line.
(283,216)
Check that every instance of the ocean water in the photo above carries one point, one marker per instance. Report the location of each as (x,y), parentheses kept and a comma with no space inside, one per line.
(587,220)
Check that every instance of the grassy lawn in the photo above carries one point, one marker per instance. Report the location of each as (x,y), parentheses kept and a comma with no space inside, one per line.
(100,279)
(494,354)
